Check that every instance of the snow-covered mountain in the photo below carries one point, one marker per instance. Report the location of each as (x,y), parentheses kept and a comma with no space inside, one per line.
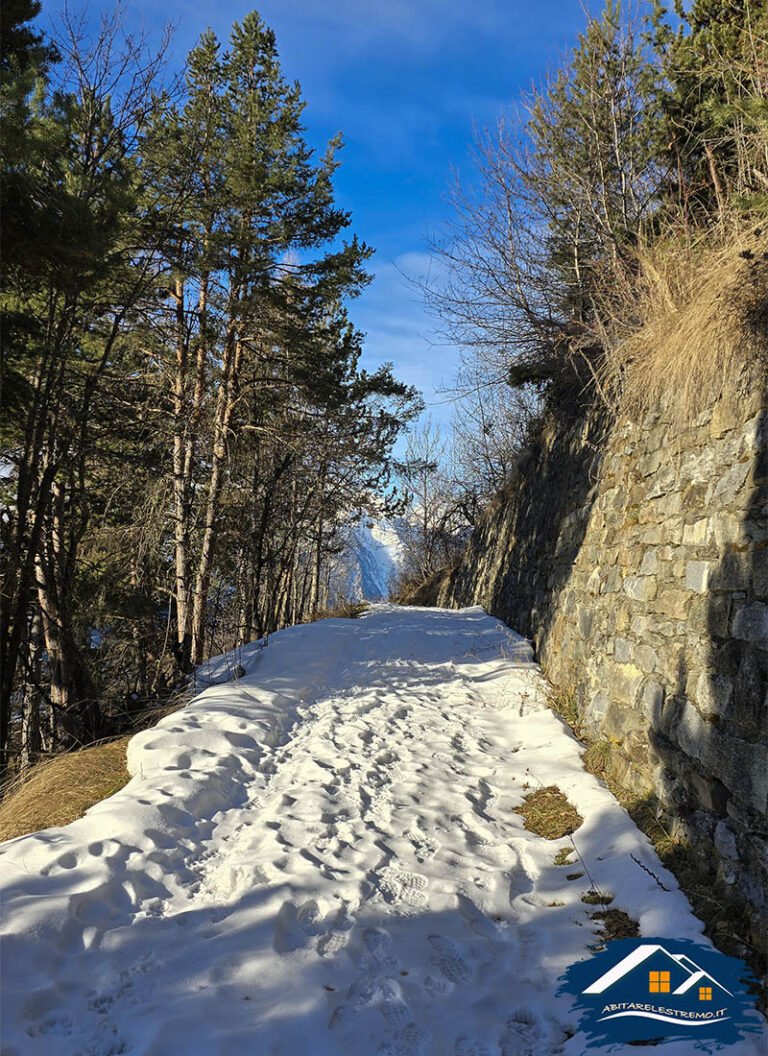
(368,569)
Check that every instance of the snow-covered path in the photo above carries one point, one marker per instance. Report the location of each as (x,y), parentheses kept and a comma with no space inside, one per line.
(323,858)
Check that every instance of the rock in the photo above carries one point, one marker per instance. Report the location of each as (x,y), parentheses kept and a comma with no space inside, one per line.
(713,692)
(652,701)
(673,604)
(640,588)
(622,650)
(731,482)
(750,623)
(725,841)
(697,575)
(696,533)
(649,566)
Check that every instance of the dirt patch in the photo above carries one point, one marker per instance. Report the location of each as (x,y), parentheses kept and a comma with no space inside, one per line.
(548,813)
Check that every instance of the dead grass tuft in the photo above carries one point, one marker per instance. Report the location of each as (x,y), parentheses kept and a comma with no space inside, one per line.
(344,610)
(563,701)
(616,924)
(59,790)
(597,759)
(548,813)
(596,898)
(690,320)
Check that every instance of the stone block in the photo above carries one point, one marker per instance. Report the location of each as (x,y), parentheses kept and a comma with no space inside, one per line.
(623,681)
(733,571)
(697,575)
(662,482)
(760,572)
(652,702)
(725,841)
(695,497)
(713,693)
(622,650)
(750,623)
(621,721)
(646,658)
(597,708)
(648,465)
(669,504)
(586,619)
(649,566)
(722,420)
(693,732)
(731,483)
(728,528)
(710,793)
(755,431)
(673,604)
(640,588)
(741,765)
(718,615)
(613,581)
(697,533)
(594,582)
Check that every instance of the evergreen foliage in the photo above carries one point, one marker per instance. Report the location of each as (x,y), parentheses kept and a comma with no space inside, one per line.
(185,421)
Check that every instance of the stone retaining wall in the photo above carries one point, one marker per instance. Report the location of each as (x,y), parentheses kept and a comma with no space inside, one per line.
(636,558)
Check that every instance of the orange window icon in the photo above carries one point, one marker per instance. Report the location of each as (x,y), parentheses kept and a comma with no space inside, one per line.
(658,982)
(705,993)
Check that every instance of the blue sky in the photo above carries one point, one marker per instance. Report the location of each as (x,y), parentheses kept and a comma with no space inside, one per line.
(404,81)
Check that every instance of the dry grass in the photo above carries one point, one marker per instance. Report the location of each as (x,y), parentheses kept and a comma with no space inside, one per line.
(596,898)
(563,701)
(597,759)
(688,323)
(346,610)
(548,813)
(616,924)
(57,791)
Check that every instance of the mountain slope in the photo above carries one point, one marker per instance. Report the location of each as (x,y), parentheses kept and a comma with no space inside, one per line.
(368,569)
(323,859)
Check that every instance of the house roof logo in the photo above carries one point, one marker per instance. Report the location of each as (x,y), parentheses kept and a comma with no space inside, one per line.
(686,974)
(643,989)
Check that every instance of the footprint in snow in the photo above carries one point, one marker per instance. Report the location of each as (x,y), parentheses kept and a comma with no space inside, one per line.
(480,923)
(523,1036)
(378,958)
(309,919)
(399,886)
(395,1011)
(51,1026)
(447,958)
(468,1047)
(336,938)
(407,1041)
(295,926)
(437,986)
(424,846)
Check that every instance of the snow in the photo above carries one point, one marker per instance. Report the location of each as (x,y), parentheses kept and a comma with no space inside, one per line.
(368,568)
(322,859)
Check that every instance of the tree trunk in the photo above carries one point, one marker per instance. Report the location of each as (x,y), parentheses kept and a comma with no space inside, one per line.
(225,405)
